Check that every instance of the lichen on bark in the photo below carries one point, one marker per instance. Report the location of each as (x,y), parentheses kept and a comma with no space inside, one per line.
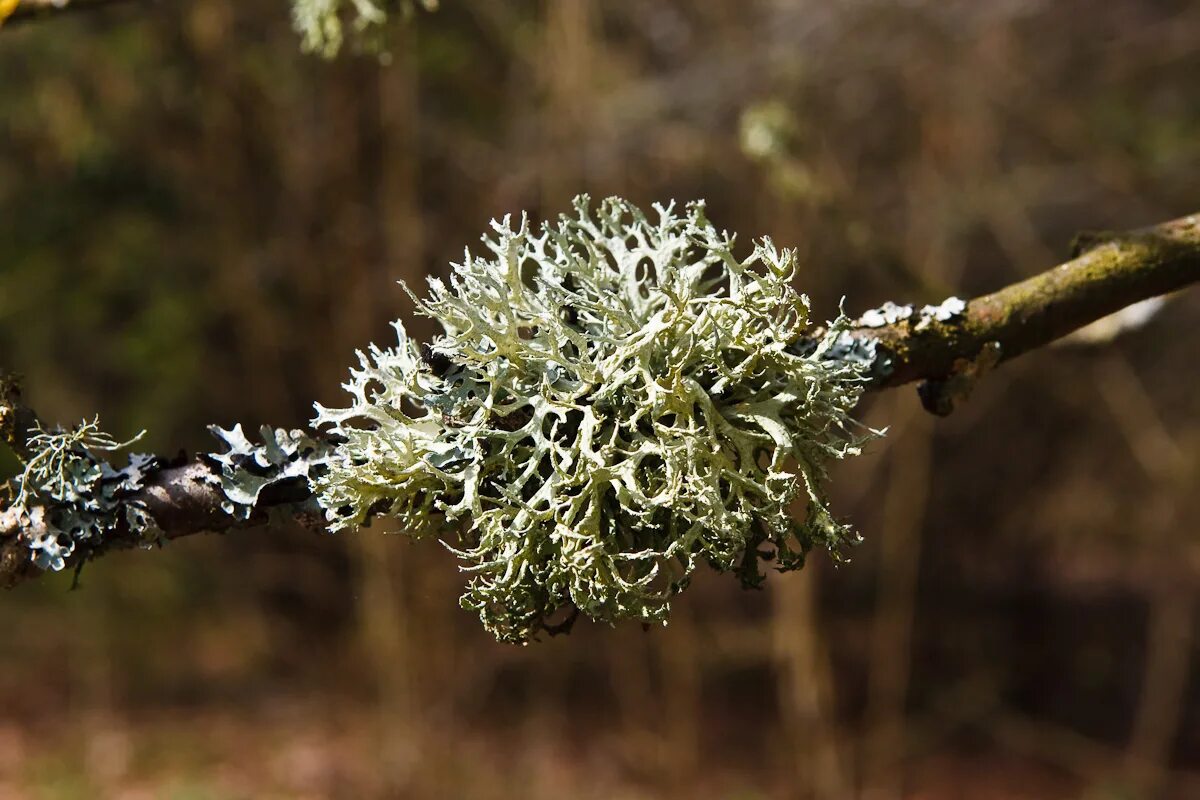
(616,399)
(71,499)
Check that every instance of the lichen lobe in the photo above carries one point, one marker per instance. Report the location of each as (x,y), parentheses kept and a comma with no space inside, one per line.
(71,501)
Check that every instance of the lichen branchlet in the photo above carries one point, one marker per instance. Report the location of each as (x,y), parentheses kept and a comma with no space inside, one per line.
(71,500)
(615,400)
(322,24)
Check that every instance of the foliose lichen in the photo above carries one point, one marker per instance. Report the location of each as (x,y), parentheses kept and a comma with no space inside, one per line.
(873,361)
(889,313)
(615,400)
(73,499)
(245,470)
(949,310)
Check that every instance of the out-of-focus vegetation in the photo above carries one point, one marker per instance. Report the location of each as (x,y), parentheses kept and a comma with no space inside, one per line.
(199,224)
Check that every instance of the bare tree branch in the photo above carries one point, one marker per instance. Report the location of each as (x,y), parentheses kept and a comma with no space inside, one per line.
(1107,274)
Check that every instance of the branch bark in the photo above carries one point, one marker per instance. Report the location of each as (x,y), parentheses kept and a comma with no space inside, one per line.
(1107,274)
(182,503)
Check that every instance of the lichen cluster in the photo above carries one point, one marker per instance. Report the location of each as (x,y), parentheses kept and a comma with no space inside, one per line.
(322,24)
(615,400)
(70,501)
(74,498)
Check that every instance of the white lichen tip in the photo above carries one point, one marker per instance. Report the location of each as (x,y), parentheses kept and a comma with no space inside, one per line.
(322,24)
(616,399)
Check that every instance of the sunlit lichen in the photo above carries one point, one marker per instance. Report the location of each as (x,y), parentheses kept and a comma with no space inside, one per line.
(71,498)
(615,400)
(322,24)
(244,470)
(887,314)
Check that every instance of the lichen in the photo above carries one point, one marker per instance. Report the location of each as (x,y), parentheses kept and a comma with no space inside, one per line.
(887,314)
(949,310)
(245,470)
(874,361)
(615,400)
(71,499)
(322,23)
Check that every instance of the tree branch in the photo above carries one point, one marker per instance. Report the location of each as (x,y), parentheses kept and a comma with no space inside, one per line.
(16,419)
(182,500)
(1106,275)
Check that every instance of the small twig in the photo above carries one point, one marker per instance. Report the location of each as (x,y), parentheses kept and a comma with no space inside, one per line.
(564,627)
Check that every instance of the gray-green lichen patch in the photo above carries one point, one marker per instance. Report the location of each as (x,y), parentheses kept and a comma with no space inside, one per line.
(72,499)
(874,361)
(863,344)
(889,313)
(949,310)
(616,399)
(322,24)
(245,470)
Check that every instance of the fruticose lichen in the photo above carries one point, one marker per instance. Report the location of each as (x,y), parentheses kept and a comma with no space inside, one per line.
(245,470)
(73,497)
(322,23)
(615,400)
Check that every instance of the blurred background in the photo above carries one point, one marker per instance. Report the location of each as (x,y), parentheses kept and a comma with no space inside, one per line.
(199,224)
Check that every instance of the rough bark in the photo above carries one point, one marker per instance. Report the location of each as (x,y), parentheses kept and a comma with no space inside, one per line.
(1108,273)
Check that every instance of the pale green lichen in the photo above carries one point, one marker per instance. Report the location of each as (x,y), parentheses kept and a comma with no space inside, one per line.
(616,399)
(322,24)
(74,499)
